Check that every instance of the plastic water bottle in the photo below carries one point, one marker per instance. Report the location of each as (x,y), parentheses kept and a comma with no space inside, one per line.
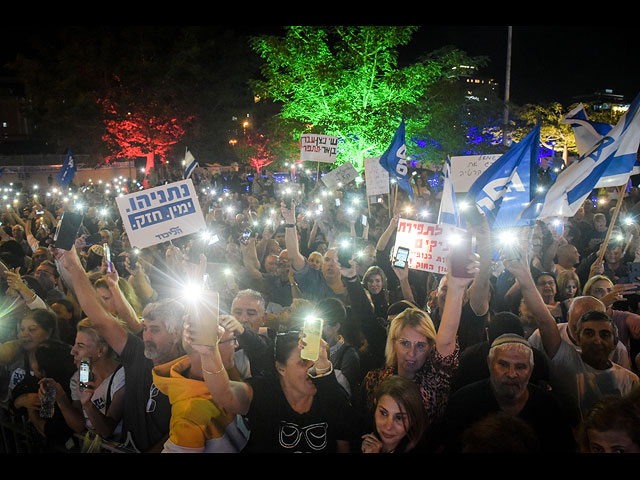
(48,401)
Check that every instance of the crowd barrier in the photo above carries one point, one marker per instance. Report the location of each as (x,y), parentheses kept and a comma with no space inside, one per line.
(17,435)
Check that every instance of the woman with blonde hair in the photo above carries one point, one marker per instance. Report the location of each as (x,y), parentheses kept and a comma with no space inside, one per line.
(99,405)
(568,285)
(120,300)
(415,350)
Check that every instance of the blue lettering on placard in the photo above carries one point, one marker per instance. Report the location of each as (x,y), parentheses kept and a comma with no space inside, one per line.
(161,214)
(146,200)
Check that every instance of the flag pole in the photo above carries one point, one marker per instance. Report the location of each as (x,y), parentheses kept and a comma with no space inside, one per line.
(395,198)
(614,216)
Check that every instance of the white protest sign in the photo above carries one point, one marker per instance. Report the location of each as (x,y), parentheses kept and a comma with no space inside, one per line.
(318,148)
(340,176)
(428,244)
(465,170)
(160,214)
(376,177)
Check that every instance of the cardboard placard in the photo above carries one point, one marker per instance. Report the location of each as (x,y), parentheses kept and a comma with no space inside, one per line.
(428,244)
(340,176)
(376,177)
(465,170)
(318,148)
(161,213)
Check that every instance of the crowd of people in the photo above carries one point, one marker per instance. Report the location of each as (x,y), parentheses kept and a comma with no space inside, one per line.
(534,352)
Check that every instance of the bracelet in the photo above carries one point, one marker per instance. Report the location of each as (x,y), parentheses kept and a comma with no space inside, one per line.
(212,373)
(289,225)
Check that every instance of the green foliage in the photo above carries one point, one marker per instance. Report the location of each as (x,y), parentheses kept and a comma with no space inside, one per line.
(345,81)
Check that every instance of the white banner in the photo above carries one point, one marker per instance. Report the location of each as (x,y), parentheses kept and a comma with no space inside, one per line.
(465,170)
(427,244)
(318,148)
(160,214)
(376,178)
(340,176)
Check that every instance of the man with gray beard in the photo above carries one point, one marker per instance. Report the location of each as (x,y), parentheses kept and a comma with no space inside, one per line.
(147,412)
(508,391)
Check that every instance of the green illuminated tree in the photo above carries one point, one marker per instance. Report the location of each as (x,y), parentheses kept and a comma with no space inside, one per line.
(346,81)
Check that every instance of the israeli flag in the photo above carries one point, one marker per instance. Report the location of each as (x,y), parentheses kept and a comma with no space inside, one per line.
(190,164)
(393,160)
(506,187)
(68,171)
(448,209)
(609,163)
(587,133)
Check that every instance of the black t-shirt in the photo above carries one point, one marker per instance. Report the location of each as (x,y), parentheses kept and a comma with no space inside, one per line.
(472,327)
(543,412)
(277,428)
(147,411)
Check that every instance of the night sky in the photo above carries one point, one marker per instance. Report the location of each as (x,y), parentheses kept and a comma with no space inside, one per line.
(549,62)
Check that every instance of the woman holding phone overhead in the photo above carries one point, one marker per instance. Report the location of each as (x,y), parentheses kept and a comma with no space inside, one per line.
(415,351)
(298,407)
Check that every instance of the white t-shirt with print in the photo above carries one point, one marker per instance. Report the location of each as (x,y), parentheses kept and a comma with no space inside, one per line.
(99,397)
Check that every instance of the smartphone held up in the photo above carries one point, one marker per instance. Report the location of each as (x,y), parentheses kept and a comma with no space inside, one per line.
(312,334)
(84,372)
(203,308)
(462,246)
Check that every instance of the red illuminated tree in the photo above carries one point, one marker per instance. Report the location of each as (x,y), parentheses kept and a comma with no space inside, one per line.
(133,130)
(256,150)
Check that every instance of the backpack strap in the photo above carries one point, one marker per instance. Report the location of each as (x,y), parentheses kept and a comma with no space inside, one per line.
(113,375)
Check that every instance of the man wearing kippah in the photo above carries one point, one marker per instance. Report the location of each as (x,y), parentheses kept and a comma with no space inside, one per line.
(508,392)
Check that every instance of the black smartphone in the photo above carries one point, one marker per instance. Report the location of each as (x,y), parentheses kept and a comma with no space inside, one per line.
(67,230)
(85,372)
(345,253)
(401,259)
(133,257)
(459,255)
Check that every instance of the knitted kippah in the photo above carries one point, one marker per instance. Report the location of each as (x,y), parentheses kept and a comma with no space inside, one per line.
(510,338)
